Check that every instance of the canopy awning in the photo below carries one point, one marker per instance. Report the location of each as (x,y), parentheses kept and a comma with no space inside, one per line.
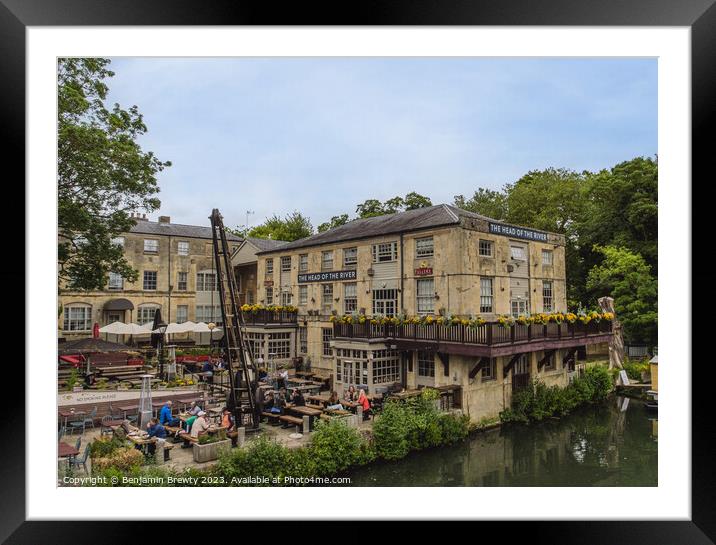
(75,360)
(118,304)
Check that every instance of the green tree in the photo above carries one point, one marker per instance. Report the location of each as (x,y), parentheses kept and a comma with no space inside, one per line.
(336,221)
(290,228)
(626,276)
(486,202)
(414,201)
(370,208)
(103,175)
(622,210)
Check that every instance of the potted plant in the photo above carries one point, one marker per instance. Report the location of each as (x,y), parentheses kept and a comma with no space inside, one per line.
(209,446)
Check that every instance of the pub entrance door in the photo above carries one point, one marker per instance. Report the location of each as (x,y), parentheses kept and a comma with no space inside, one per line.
(521,373)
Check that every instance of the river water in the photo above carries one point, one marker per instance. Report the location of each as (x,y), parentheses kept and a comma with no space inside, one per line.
(610,444)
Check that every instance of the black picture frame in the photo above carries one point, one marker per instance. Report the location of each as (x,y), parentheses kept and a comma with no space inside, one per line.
(699,15)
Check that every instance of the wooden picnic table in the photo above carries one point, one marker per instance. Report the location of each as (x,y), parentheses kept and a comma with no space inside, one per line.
(304,410)
(64,450)
(66,413)
(406,394)
(127,408)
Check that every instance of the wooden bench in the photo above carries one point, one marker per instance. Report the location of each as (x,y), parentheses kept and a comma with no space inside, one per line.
(272,418)
(167,447)
(288,419)
(188,439)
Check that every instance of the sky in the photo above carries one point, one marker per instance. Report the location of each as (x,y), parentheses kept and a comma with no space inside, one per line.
(320,135)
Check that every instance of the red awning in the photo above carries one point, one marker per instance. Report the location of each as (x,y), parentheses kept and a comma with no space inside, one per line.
(75,360)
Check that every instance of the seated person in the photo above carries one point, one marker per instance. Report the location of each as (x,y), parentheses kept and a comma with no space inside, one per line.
(263,375)
(333,402)
(227,419)
(280,401)
(268,401)
(365,403)
(155,429)
(165,415)
(188,423)
(194,409)
(297,399)
(200,425)
(350,394)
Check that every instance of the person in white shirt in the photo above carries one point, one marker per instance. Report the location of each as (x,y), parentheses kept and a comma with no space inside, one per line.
(200,425)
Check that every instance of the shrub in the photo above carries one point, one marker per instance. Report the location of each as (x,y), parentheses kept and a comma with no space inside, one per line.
(104,446)
(538,401)
(122,459)
(390,432)
(453,428)
(335,447)
(635,369)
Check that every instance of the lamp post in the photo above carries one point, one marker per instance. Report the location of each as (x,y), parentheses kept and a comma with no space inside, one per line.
(162,327)
(212,327)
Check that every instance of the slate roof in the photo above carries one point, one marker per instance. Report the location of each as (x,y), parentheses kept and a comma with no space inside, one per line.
(400,222)
(265,244)
(176,230)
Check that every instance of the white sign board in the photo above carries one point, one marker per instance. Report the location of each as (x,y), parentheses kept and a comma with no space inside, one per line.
(624,378)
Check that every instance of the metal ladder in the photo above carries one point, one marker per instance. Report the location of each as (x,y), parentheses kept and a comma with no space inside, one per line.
(241,399)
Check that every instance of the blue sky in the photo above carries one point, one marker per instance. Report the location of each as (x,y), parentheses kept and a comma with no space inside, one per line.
(320,135)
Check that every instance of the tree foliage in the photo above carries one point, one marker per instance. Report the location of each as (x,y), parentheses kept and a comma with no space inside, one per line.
(486,202)
(336,221)
(374,207)
(103,175)
(294,226)
(627,277)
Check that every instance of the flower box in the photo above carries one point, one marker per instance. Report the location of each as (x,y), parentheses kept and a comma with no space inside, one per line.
(209,451)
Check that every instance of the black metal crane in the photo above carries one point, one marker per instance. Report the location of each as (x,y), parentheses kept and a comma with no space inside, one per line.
(241,396)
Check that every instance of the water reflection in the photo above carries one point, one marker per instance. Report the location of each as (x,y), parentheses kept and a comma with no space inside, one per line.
(612,444)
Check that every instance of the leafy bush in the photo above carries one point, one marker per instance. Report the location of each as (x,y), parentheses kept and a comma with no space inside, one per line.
(538,401)
(104,446)
(335,447)
(122,459)
(415,424)
(635,369)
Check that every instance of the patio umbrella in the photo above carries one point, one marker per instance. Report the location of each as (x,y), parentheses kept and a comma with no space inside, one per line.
(172,328)
(117,328)
(90,345)
(201,327)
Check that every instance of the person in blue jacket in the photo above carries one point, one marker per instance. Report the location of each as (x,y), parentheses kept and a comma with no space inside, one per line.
(155,429)
(165,415)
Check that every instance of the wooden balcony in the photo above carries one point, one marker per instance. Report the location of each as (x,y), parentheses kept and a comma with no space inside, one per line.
(490,339)
(269,317)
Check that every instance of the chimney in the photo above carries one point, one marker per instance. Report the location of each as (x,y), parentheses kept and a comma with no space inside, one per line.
(139,217)
(164,219)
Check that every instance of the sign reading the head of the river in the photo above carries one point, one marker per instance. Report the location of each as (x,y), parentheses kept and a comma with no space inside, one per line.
(517,232)
(326,276)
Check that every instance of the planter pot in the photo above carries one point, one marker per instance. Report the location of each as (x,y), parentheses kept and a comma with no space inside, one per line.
(210,451)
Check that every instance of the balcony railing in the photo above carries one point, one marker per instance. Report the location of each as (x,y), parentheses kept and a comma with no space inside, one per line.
(489,334)
(266,316)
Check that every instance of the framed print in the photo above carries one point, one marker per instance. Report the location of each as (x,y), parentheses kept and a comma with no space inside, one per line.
(416,264)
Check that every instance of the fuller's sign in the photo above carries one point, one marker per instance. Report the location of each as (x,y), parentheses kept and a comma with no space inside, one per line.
(424,271)
(517,232)
(326,276)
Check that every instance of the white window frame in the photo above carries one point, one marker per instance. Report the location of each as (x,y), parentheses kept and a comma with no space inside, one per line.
(518,253)
(151,246)
(286,298)
(206,279)
(286,263)
(183,247)
(547,296)
(385,252)
(487,294)
(426,364)
(83,323)
(115,281)
(303,295)
(425,295)
(179,281)
(145,313)
(547,257)
(303,263)
(326,338)
(350,297)
(385,302)
(350,256)
(327,264)
(182,314)
(485,248)
(269,295)
(269,266)
(327,294)
(424,247)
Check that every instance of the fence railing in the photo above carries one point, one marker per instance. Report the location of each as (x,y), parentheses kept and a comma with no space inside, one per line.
(266,316)
(488,334)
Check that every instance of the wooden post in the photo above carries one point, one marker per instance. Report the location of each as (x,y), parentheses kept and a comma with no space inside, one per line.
(241,436)
(306,424)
